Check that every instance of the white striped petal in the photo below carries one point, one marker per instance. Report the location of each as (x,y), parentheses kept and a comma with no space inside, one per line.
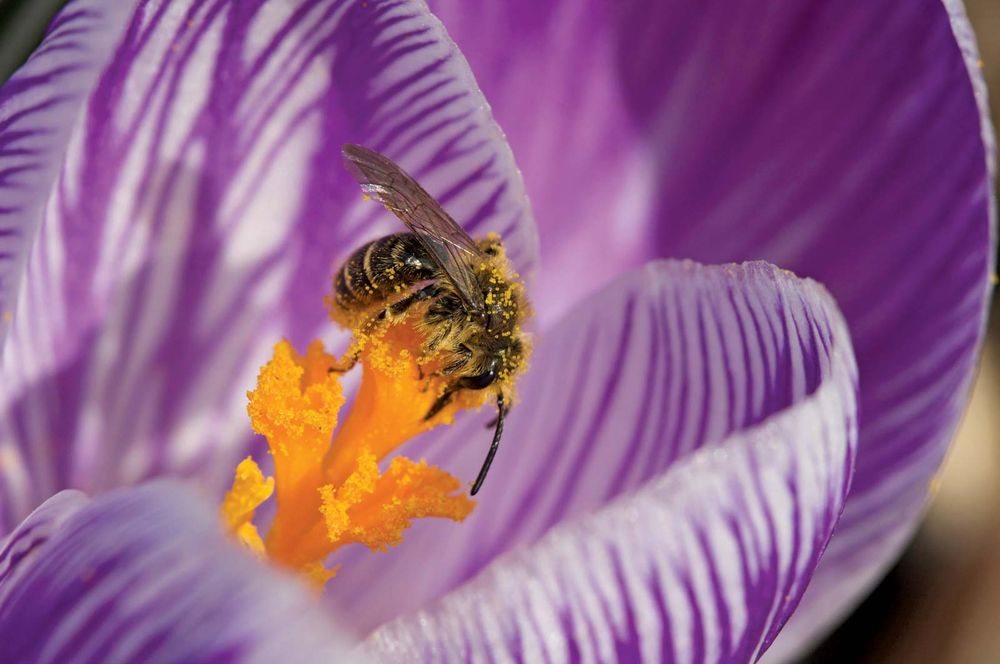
(682,453)
(23,544)
(199,212)
(39,105)
(848,142)
(146,575)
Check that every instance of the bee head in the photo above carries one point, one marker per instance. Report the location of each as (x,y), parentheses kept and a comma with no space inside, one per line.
(485,378)
(489,358)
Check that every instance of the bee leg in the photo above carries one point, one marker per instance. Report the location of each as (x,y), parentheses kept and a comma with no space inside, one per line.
(501,414)
(345,364)
(400,307)
(432,344)
(424,377)
(396,309)
(441,402)
(425,293)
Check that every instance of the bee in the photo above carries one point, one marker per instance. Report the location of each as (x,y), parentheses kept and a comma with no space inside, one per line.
(472,307)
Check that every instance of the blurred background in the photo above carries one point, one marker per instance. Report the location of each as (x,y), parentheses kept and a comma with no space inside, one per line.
(941,602)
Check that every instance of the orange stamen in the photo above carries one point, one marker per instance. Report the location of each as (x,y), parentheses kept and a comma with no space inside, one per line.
(329,490)
(332,494)
(392,401)
(249,491)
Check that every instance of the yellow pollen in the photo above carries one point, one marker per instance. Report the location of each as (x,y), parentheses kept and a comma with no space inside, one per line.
(335,485)
(328,489)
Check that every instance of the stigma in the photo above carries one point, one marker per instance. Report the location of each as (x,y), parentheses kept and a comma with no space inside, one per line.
(334,486)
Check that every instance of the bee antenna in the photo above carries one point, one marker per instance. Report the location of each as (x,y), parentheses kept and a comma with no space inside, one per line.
(501,412)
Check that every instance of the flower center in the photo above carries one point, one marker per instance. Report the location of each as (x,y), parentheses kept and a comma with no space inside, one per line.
(329,490)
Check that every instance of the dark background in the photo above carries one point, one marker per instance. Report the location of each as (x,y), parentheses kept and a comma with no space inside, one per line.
(941,602)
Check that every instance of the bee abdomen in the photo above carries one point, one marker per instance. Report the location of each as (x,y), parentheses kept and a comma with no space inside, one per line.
(380,269)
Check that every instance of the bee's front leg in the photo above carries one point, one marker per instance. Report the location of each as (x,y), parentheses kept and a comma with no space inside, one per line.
(441,402)
(427,377)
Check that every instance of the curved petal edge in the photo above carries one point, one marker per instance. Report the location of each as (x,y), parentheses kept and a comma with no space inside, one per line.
(146,574)
(881,522)
(706,561)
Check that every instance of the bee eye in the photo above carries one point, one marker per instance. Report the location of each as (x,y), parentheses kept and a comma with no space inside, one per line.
(479,382)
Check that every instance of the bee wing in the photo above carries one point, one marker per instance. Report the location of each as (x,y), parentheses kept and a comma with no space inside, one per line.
(444,239)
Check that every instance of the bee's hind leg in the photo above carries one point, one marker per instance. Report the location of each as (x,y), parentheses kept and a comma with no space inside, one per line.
(400,307)
(347,362)
(394,309)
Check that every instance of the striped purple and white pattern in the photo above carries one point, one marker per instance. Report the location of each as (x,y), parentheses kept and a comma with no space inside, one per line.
(172,588)
(172,202)
(696,549)
(27,539)
(847,143)
(39,107)
(197,213)
(703,425)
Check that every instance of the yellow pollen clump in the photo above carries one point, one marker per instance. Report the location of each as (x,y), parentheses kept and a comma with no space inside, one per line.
(333,484)
(329,490)
(374,509)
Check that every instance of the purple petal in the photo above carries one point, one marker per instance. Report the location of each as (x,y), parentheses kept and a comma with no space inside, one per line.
(145,575)
(198,215)
(674,493)
(21,546)
(39,105)
(847,143)
(669,360)
(909,425)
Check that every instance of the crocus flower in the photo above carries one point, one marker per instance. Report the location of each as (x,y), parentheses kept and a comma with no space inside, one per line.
(688,434)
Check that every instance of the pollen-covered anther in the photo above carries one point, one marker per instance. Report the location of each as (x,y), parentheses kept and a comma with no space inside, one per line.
(374,509)
(296,402)
(329,491)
